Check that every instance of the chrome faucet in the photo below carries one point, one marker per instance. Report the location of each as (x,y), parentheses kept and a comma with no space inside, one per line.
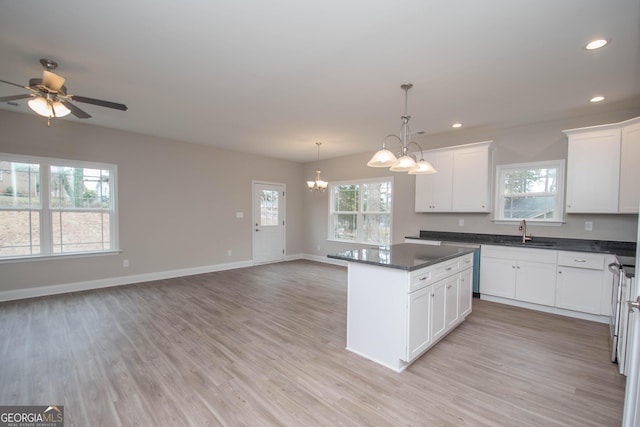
(523,228)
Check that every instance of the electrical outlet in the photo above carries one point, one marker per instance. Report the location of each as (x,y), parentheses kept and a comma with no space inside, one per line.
(588,226)
(229,252)
(125,263)
(317,247)
(239,215)
(461,222)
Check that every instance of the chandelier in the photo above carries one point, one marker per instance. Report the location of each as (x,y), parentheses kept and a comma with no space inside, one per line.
(384,158)
(318,185)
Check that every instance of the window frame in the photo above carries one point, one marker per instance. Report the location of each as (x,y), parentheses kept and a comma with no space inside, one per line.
(499,200)
(360,213)
(46,210)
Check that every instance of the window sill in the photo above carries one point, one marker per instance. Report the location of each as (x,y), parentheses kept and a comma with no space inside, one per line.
(57,256)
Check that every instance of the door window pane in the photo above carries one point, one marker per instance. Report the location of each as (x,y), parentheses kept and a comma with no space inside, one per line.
(269,214)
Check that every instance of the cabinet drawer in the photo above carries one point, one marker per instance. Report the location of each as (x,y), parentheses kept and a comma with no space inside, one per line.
(421,278)
(516,253)
(581,260)
(426,276)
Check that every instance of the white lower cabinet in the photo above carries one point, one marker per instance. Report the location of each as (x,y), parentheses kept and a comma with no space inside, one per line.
(419,326)
(466,291)
(438,313)
(576,281)
(583,280)
(536,282)
(394,316)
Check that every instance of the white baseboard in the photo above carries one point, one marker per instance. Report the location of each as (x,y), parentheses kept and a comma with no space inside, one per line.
(40,291)
(546,309)
(324,259)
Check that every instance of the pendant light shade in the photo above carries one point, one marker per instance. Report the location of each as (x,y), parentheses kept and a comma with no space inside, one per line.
(405,162)
(423,168)
(382,159)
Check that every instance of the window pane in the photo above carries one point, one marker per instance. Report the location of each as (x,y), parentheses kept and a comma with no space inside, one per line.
(20,233)
(541,181)
(20,185)
(79,188)
(377,197)
(269,208)
(80,231)
(535,207)
(376,229)
(345,226)
(513,182)
(346,198)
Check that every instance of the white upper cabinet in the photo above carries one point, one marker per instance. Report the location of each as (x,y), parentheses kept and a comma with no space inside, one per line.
(630,169)
(434,191)
(602,173)
(462,183)
(593,171)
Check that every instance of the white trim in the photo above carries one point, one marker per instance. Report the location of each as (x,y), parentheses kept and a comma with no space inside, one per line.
(15,294)
(40,291)
(360,212)
(546,309)
(325,260)
(255,182)
(559,165)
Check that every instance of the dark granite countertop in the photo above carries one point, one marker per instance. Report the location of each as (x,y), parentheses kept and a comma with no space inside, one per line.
(404,256)
(627,249)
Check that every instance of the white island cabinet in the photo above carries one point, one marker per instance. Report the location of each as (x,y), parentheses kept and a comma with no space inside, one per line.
(402,299)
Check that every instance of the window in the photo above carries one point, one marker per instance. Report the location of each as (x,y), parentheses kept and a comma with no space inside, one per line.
(56,207)
(360,211)
(531,191)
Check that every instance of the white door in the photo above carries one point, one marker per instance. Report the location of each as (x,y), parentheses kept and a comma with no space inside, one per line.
(631,416)
(268,221)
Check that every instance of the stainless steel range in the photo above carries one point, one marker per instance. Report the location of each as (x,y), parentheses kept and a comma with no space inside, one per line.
(623,287)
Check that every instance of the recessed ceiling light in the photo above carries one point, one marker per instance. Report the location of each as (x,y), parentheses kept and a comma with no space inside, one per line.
(597,99)
(596,44)
(456,125)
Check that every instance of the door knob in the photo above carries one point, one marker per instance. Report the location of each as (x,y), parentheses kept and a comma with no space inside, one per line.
(633,304)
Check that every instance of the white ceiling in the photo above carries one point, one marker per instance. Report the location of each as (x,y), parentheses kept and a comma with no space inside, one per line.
(272,77)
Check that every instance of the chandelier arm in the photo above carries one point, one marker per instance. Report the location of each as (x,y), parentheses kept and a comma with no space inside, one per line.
(390,136)
(421,151)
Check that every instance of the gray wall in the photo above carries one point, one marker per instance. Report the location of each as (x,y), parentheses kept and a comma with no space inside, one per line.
(177,201)
(526,143)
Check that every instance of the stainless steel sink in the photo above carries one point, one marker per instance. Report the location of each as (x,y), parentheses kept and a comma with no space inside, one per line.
(530,243)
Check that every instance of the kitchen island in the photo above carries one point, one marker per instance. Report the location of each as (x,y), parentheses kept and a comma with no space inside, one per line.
(402,299)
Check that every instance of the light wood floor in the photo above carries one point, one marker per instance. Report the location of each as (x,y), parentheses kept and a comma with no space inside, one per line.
(264,346)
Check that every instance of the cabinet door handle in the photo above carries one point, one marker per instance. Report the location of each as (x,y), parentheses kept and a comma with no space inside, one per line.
(423,278)
(559,271)
(579,260)
(449,286)
(448,268)
(518,267)
(513,266)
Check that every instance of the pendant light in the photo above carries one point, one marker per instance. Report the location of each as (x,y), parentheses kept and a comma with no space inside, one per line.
(318,185)
(384,158)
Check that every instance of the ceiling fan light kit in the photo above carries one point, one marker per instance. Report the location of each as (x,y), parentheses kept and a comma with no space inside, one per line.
(49,97)
(384,158)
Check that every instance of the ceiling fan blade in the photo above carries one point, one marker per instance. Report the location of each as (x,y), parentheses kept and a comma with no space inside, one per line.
(16,84)
(99,102)
(14,97)
(52,80)
(75,110)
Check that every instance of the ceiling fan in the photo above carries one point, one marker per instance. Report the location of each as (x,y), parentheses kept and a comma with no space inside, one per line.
(49,97)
